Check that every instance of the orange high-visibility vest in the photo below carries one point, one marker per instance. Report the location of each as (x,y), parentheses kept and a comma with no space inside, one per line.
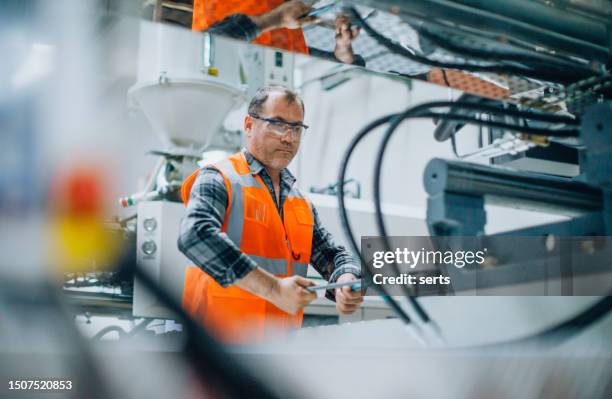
(209,12)
(282,247)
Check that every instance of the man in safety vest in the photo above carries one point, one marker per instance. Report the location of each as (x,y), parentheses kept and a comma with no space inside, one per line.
(252,234)
(275,23)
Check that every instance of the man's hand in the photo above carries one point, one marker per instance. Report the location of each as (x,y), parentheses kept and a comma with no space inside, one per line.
(345,34)
(287,15)
(347,301)
(290,294)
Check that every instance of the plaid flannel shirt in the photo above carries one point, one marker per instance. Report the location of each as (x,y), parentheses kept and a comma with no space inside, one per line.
(203,242)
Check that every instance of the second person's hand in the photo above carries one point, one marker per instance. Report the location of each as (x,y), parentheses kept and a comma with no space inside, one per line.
(345,34)
(288,15)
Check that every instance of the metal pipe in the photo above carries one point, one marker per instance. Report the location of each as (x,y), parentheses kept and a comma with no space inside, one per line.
(510,188)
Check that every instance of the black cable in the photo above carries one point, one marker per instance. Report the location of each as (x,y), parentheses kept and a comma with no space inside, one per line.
(536,131)
(444,129)
(409,295)
(454,143)
(420,111)
(346,225)
(395,121)
(487,108)
(570,327)
(366,130)
(581,71)
(564,77)
(555,334)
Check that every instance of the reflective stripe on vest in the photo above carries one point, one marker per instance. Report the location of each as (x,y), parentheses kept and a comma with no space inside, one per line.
(300,269)
(235,224)
(237,215)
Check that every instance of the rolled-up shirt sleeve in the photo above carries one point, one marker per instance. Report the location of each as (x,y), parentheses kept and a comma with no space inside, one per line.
(328,258)
(236,26)
(200,237)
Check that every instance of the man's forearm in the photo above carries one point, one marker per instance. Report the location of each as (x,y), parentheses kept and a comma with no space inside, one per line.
(259,282)
(286,293)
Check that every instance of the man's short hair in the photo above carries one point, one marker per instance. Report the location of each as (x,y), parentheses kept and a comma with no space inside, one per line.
(261,96)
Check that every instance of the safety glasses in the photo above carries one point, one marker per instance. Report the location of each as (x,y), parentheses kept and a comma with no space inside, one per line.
(280,127)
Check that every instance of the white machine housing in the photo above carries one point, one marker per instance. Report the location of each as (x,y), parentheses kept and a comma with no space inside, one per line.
(268,66)
(187,84)
(157,252)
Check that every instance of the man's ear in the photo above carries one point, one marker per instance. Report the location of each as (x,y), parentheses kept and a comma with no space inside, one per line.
(248,124)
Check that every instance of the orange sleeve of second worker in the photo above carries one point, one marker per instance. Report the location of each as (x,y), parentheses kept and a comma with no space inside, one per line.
(209,12)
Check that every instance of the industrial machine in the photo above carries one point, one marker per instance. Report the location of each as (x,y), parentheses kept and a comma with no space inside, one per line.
(180,77)
(537,74)
(538,77)
(513,77)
